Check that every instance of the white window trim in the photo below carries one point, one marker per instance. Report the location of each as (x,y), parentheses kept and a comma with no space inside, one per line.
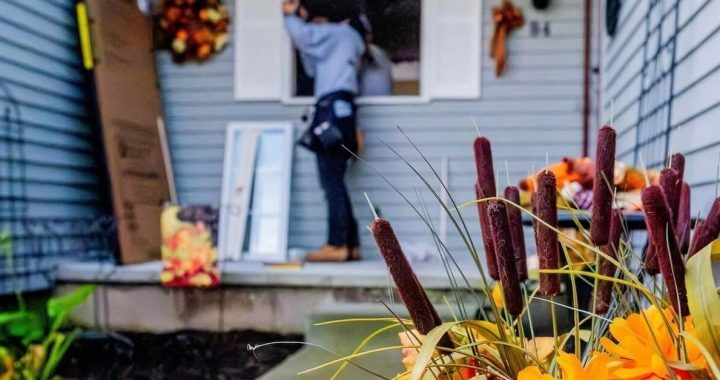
(288,62)
(270,77)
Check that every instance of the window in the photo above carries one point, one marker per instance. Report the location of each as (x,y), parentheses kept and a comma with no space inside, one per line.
(391,65)
(433,47)
(256,191)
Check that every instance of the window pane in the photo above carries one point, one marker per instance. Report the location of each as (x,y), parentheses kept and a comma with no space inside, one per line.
(266,195)
(269,152)
(265,238)
(392,63)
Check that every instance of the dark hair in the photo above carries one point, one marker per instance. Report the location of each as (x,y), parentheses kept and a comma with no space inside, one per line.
(333,10)
(360,23)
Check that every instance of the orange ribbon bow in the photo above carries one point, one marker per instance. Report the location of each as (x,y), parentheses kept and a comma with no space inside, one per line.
(506,18)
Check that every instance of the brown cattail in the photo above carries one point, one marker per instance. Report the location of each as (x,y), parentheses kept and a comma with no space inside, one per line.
(487,237)
(709,230)
(485,188)
(516,232)
(546,239)
(667,251)
(422,313)
(684,219)
(497,213)
(533,207)
(699,224)
(602,186)
(606,268)
(671,186)
(500,227)
(651,264)
(677,162)
(484,167)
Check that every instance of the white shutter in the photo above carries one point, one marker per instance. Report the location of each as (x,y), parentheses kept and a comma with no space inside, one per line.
(259,49)
(452,47)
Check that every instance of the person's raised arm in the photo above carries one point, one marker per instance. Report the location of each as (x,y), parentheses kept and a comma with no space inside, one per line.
(307,37)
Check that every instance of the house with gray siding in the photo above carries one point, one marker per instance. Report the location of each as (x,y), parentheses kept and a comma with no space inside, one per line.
(658,77)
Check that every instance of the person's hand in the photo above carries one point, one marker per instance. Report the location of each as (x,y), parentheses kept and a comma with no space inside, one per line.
(290,7)
(303,13)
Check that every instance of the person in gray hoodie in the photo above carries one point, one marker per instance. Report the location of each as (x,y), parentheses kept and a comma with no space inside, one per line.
(330,50)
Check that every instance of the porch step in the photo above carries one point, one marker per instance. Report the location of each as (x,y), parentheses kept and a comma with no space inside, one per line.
(343,338)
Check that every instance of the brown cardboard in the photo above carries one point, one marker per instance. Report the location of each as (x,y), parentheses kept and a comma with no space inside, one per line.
(129,103)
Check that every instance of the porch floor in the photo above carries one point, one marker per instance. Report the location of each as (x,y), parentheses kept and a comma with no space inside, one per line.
(356,274)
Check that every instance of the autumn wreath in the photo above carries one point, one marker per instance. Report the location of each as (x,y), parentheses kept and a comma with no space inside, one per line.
(193,30)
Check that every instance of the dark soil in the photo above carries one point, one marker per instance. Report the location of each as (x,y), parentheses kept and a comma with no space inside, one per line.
(186,355)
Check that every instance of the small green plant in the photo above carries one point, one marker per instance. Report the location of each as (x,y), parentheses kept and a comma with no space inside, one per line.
(33,342)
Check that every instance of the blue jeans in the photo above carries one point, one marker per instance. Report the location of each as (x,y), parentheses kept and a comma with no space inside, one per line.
(339,109)
(342,226)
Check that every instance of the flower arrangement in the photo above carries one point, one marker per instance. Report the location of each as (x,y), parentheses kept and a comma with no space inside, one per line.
(188,252)
(652,315)
(193,30)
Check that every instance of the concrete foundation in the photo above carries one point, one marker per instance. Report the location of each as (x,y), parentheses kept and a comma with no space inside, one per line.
(130,298)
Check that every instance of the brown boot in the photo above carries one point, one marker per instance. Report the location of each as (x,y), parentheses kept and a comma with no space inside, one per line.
(355,254)
(329,253)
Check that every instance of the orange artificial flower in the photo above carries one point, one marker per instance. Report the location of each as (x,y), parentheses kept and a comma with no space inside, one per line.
(600,367)
(410,340)
(645,346)
(533,373)
(497,295)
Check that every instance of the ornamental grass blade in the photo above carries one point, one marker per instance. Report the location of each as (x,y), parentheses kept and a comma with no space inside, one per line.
(703,297)
(486,330)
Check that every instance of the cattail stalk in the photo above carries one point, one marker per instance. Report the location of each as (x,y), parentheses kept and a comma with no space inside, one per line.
(517,234)
(671,186)
(497,213)
(485,188)
(699,225)
(667,250)
(422,312)
(650,261)
(602,186)
(546,239)
(487,238)
(684,218)
(708,231)
(677,162)
(607,268)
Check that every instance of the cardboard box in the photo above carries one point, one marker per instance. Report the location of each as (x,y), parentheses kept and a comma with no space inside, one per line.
(129,104)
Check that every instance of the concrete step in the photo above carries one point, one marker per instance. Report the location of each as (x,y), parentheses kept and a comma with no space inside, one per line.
(343,338)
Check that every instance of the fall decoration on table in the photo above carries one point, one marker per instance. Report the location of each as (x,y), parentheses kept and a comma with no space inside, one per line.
(575,180)
(506,18)
(193,30)
(188,250)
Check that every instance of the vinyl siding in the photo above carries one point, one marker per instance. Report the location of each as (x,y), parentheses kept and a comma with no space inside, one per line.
(533,110)
(692,123)
(48,169)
